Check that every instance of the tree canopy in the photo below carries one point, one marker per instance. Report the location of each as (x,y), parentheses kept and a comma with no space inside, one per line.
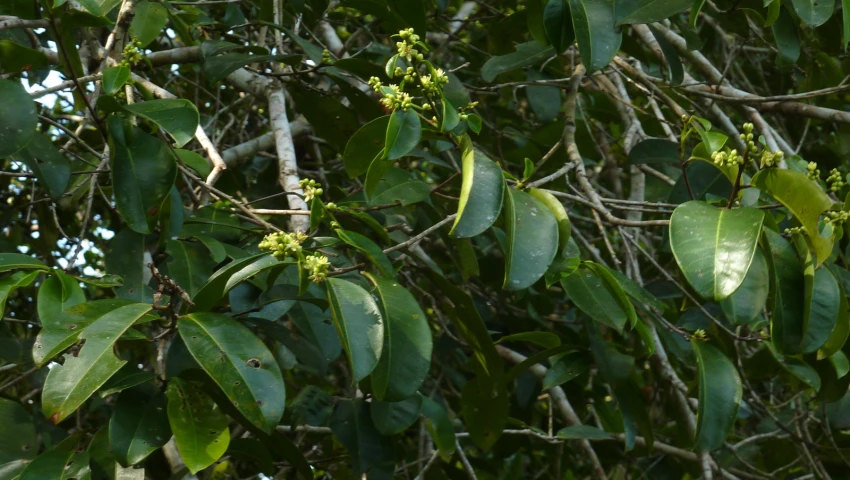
(494,239)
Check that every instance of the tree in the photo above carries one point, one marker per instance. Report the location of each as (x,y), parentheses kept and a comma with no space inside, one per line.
(403,238)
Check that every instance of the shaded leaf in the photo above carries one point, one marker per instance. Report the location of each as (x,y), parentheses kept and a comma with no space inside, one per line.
(138,426)
(199,426)
(720,392)
(526,54)
(18,121)
(359,324)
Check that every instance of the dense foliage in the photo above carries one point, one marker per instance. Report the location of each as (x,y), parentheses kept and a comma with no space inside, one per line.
(424,239)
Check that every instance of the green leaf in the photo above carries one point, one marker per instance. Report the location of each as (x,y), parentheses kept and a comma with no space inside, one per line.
(786,323)
(440,426)
(720,393)
(115,77)
(635,413)
(841,331)
(526,54)
(814,12)
(576,432)
(714,247)
(51,168)
(239,363)
(449,118)
(558,25)
(373,252)
(194,161)
(143,172)
(138,426)
(149,21)
(566,368)
(69,385)
(18,121)
(126,257)
(787,39)
(129,376)
(58,293)
(359,324)
(406,354)
(675,70)
(16,280)
(747,302)
(199,426)
(391,418)
(404,131)
(804,198)
(647,11)
(364,146)
(399,186)
(485,413)
(50,464)
(821,308)
(481,192)
(534,21)
(189,265)
(99,7)
(14,261)
(216,68)
(374,177)
(598,39)
(845,17)
(798,368)
(545,101)
(371,453)
(19,440)
(60,332)
(177,116)
(654,150)
(15,57)
(542,339)
(557,208)
(538,357)
(532,240)
(229,276)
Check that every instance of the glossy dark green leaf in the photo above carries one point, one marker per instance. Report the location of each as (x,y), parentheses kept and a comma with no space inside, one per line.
(841,331)
(542,339)
(129,376)
(406,354)
(148,22)
(481,192)
(14,261)
(595,297)
(532,239)
(399,186)
(557,208)
(69,385)
(359,323)
(635,413)
(194,161)
(18,121)
(564,369)
(373,252)
(114,78)
(228,277)
(365,145)
(371,453)
(747,302)
(798,368)
(720,392)
(19,440)
(177,116)
(126,257)
(526,54)
(647,11)
(598,39)
(138,426)
(804,198)
(143,172)
(50,465)
(558,24)
(404,131)
(534,21)
(440,426)
(51,168)
(821,310)
(9,283)
(17,58)
(58,292)
(391,418)
(199,426)
(60,332)
(216,68)
(449,118)
(485,413)
(787,38)
(374,177)
(545,100)
(189,265)
(714,247)
(239,363)
(654,150)
(583,432)
(787,305)
(814,12)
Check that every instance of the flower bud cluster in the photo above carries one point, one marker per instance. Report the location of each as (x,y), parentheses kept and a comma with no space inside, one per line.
(407,45)
(312,188)
(283,244)
(770,159)
(837,216)
(801,230)
(731,158)
(835,180)
(318,266)
(326,57)
(813,171)
(395,98)
(132,53)
(700,334)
